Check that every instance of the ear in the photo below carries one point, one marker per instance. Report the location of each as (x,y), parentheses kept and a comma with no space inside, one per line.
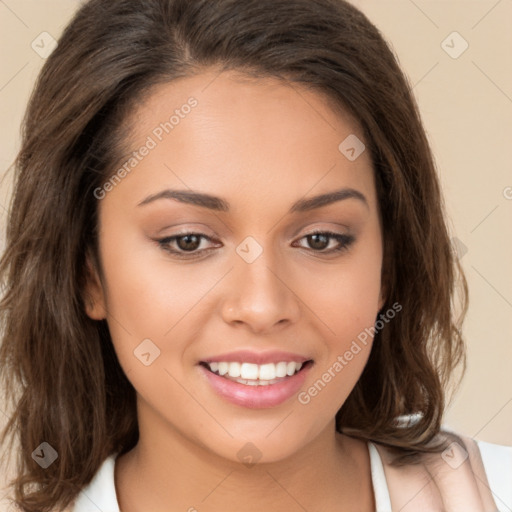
(93,294)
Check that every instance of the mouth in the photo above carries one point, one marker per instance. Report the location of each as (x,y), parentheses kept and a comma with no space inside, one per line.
(255,386)
(251,374)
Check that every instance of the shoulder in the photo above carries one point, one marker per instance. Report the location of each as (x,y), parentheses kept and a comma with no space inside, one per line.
(497,462)
(491,465)
(468,474)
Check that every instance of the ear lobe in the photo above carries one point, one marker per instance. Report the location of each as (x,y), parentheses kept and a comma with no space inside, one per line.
(93,295)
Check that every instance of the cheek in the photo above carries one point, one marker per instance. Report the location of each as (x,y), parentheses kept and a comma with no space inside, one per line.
(346,298)
(347,303)
(348,312)
(148,311)
(140,304)
(151,298)
(146,293)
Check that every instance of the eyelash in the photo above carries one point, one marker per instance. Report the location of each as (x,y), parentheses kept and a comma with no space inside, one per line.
(344,240)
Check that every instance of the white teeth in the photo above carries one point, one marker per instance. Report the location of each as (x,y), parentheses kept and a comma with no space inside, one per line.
(254,374)
(290,368)
(268,371)
(248,371)
(280,370)
(223,368)
(234,370)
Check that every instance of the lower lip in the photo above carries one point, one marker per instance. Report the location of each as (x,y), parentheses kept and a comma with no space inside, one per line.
(256,397)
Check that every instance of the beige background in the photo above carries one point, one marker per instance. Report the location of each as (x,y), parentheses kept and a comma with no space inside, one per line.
(466,104)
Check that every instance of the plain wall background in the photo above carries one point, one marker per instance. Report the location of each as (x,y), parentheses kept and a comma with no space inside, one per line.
(466,105)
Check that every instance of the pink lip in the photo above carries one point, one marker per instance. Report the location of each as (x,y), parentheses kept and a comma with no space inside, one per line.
(248,356)
(256,397)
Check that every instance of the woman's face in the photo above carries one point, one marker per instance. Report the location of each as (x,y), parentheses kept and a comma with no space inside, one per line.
(250,283)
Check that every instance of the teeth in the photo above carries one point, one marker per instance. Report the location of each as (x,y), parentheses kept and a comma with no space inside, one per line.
(290,368)
(249,371)
(268,371)
(234,370)
(280,369)
(254,374)
(223,368)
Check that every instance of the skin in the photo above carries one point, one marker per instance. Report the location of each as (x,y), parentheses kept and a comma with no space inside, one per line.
(261,146)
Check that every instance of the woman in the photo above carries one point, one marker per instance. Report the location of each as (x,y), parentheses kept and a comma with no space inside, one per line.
(221,290)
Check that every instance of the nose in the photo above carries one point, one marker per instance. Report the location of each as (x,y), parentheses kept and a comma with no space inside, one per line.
(260,295)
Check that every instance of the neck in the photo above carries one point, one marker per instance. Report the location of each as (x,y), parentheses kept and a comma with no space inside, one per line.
(167,471)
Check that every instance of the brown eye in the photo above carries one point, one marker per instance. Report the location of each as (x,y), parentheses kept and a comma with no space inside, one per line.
(318,241)
(186,245)
(188,242)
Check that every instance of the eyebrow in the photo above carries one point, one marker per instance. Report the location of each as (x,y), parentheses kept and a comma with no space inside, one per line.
(221,205)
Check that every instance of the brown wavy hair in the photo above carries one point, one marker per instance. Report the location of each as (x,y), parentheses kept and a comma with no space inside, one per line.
(58,367)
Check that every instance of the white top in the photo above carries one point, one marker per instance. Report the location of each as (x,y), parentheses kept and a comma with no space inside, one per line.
(100,494)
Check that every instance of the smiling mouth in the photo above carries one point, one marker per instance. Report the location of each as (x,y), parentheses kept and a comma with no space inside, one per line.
(254,374)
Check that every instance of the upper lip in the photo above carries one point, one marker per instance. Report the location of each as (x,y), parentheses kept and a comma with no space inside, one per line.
(249,356)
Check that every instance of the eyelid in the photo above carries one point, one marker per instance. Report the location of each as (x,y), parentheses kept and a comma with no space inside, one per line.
(191,228)
(309,227)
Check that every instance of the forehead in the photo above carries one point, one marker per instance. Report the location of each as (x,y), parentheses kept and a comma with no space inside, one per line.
(226,131)
(231,97)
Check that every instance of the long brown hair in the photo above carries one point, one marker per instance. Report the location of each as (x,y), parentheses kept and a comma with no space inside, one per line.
(59,369)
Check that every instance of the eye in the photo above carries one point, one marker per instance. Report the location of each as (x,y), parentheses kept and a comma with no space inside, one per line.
(187,244)
(320,240)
